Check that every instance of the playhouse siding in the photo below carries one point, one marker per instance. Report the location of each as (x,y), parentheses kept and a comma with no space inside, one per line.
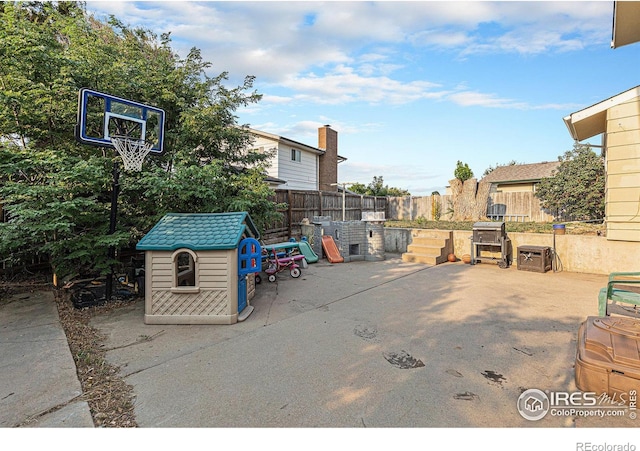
(215,301)
(623,171)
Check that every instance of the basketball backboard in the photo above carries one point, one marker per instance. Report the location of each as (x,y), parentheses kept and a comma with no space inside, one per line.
(102,116)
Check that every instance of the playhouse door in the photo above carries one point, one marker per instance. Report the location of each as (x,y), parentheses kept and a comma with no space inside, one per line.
(242,293)
(249,261)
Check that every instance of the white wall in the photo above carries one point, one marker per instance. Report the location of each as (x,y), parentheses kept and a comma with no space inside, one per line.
(301,174)
(267,144)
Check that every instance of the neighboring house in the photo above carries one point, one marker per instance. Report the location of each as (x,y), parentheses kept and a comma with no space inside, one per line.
(512,196)
(617,119)
(299,166)
(520,177)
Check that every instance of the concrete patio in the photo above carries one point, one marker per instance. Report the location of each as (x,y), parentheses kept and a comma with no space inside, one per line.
(366,344)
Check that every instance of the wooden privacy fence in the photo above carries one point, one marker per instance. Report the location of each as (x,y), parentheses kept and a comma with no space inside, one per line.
(510,206)
(307,204)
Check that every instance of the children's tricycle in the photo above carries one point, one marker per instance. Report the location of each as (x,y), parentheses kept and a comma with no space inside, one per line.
(277,264)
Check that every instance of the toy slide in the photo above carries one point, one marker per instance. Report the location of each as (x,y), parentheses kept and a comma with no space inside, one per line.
(307,251)
(331,250)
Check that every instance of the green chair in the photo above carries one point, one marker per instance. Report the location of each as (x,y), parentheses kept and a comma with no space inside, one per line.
(621,295)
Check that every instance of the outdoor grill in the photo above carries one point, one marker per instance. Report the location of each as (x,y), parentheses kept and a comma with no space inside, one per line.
(490,237)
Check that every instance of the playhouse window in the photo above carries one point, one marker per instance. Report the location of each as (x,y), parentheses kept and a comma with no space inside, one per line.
(185,269)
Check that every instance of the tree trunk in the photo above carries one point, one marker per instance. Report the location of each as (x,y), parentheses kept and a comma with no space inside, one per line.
(482,200)
(469,199)
(456,191)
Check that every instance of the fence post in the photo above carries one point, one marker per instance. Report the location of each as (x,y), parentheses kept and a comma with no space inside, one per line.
(289,213)
(410,208)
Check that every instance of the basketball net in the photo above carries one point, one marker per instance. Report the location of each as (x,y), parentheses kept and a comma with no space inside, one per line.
(132,151)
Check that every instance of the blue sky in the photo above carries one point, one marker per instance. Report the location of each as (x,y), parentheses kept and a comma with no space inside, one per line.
(410,87)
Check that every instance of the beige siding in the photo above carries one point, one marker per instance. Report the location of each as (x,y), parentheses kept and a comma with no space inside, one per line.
(627,152)
(623,211)
(623,181)
(626,166)
(623,138)
(630,108)
(515,187)
(214,301)
(617,233)
(161,270)
(623,194)
(213,270)
(620,124)
(623,171)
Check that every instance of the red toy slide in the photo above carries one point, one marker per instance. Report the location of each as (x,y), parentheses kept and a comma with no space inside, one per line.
(331,250)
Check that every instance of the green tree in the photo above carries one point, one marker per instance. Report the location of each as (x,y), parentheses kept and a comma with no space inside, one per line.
(377,188)
(462,171)
(55,192)
(359,188)
(576,190)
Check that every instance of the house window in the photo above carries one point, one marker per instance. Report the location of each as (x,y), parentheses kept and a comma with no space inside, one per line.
(296,155)
(185,271)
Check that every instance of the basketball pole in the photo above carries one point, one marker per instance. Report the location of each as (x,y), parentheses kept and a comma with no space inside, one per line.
(111,253)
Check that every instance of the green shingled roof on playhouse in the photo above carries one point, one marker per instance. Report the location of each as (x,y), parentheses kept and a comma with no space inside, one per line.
(198,231)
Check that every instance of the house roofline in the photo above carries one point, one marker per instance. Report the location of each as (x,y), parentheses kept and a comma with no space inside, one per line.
(591,121)
(287,141)
(496,182)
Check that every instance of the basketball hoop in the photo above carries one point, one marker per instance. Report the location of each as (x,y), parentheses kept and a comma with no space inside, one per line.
(132,151)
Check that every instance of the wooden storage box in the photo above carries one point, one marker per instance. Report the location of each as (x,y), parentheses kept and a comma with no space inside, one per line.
(534,258)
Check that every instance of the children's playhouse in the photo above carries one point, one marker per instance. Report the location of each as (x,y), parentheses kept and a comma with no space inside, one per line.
(199,268)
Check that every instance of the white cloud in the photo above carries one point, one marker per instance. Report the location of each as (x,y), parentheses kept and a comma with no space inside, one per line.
(344,85)
(344,52)
(473,98)
(276,39)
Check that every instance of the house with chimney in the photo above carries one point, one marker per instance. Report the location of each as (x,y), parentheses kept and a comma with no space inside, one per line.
(299,166)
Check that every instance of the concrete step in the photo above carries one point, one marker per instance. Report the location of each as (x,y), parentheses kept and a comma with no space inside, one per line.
(429,241)
(424,259)
(426,250)
(431,233)
(429,247)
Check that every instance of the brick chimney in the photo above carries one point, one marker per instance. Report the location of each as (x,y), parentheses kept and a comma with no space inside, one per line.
(328,171)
